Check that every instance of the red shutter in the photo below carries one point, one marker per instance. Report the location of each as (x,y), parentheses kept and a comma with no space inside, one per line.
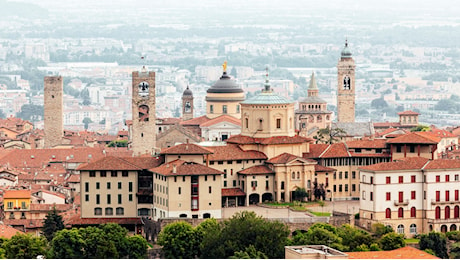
(438,195)
(401,196)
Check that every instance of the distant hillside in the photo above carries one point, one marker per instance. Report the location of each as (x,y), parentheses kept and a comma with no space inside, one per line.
(26,10)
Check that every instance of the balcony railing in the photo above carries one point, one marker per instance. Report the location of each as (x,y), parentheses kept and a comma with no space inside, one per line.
(443,202)
(401,202)
(442,221)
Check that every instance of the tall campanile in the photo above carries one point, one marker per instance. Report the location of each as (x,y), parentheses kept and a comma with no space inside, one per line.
(346,86)
(53,108)
(143,112)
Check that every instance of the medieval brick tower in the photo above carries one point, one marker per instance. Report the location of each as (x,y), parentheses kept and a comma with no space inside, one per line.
(53,106)
(187,104)
(346,86)
(143,112)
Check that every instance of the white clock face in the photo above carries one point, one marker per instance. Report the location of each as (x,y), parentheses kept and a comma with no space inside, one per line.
(346,82)
(143,89)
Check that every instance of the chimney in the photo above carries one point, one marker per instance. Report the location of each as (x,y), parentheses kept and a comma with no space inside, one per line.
(174,168)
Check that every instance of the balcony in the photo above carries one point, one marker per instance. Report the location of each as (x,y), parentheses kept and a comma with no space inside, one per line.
(401,202)
(443,202)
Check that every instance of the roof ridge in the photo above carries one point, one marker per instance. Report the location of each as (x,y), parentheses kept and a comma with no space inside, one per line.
(325,150)
(122,159)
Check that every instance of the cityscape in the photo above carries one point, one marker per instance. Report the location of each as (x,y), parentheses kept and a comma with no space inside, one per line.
(243,129)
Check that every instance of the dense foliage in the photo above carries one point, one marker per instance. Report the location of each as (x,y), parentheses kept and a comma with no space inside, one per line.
(52,223)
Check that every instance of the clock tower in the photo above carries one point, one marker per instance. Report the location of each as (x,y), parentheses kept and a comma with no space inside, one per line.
(346,86)
(187,104)
(143,112)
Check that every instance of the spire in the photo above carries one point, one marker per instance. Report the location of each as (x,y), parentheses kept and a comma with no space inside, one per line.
(313,82)
(346,53)
(267,82)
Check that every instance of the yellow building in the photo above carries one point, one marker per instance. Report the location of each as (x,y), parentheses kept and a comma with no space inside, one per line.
(16,203)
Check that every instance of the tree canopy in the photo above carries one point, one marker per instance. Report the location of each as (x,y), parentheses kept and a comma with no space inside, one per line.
(52,223)
(435,241)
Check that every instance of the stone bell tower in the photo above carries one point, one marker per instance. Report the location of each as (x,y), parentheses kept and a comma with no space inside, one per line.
(53,108)
(143,112)
(187,104)
(346,86)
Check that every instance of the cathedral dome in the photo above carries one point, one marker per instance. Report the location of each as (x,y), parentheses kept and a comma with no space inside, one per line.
(187,92)
(346,53)
(225,84)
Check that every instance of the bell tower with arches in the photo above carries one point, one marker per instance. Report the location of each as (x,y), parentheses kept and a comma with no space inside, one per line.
(346,86)
(143,138)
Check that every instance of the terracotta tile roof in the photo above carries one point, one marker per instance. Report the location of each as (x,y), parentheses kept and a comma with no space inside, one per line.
(287,157)
(372,144)
(49,207)
(7,231)
(129,122)
(234,152)
(320,168)
(442,164)
(378,155)
(222,118)
(196,121)
(168,121)
(315,150)
(390,130)
(183,168)
(233,192)
(335,151)
(121,163)
(442,133)
(410,163)
(186,149)
(28,223)
(259,169)
(26,177)
(17,194)
(408,112)
(240,139)
(400,253)
(73,178)
(415,138)
(60,195)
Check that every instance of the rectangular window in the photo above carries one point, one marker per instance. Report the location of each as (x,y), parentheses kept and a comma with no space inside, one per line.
(278,123)
(92,173)
(234,183)
(119,185)
(364,195)
(109,199)
(412,148)
(10,205)
(438,178)
(87,197)
(119,199)
(86,186)
(214,177)
(211,109)
(438,195)
(388,195)
(175,178)
(335,188)
(266,185)
(398,148)
(412,195)
(353,175)
(401,196)
(346,175)
(225,183)
(401,179)
(130,197)
(98,185)
(340,175)
(335,175)
(130,187)
(371,196)
(412,178)
(206,178)
(456,177)
(456,195)
(388,180)
(353,187)
(346,187)
(114,173)
(179,190)
(340,187)
(210,189)
(447,178)
(108,185)
(372,180)
(447,195)
(224,109)
(103,174)
(124,173)
(183,178)
(98,199)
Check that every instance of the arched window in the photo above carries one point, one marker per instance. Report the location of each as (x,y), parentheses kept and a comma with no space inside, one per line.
(400,213)
(413,229)
(438,212)
(109,211)
(293,175)
(447,212)
(319,119)
(246,122)
(298,175)
(97,211)
(388,213)
(400,229)
(328,118)
(456,211)
(413,212)
(120,211)
(311,119)
(260,123)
